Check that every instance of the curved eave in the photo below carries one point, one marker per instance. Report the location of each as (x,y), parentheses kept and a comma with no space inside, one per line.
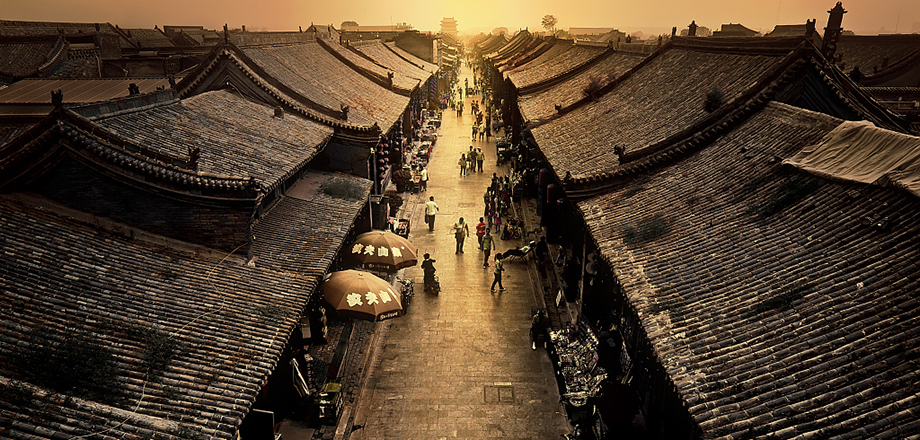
(33,153)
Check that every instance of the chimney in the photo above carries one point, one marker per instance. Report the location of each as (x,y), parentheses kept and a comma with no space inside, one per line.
(673,31)
(691,30)
(832,31)
(244,28)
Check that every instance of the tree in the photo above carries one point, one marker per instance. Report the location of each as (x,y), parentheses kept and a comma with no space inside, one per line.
(549,22)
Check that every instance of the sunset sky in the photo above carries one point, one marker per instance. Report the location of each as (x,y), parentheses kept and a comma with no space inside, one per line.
(863,17)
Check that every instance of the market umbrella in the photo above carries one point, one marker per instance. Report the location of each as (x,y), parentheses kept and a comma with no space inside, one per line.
(361,295)
(384,250)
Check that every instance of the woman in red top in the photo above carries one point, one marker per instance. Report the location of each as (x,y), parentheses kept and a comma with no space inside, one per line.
(481,230)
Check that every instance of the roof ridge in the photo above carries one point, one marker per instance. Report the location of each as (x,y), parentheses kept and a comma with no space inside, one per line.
(260,78)
(697,135)
(549,82)
(386,83)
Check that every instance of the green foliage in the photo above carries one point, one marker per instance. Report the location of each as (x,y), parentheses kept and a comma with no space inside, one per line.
(714,99)
(638,184)
(159,350)
(402,177)
(70,361)
(752,185)
(343,188)
(395,201)
(781,301)
(675,309)
(273,313)
(549,22)
(793,190)
(789,193)
(645,230)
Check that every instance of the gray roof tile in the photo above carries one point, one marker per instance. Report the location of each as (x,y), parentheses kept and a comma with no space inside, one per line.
(56,275)
(792,336)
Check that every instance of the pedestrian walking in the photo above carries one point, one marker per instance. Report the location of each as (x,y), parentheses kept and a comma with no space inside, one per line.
(499,268)
(480,158)
(475,131)
(423,179)
(431,208)
(471,158)
(462,163)
(487,243)
(482,131)
(481,230)
(461,231)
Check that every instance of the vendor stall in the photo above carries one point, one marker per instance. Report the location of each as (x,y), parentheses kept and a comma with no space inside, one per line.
(580,378)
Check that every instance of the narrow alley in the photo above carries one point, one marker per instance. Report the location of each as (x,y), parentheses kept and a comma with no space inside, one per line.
(459,364)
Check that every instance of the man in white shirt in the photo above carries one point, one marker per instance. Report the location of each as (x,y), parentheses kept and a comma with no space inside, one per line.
(431,208)
(423,179)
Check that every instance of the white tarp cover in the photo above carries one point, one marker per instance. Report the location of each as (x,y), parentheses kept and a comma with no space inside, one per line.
(861,152)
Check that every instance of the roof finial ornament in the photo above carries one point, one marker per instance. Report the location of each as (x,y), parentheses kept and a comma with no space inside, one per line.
(833,30)
(691,30)
(226,34)
(57,98)
(194,155)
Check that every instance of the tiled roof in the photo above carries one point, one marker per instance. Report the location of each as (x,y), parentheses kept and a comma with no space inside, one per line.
(543,69)
(227,64)
(541,104)
(30,152)
(662,97)
(492,43)
(76,91)
(524,52)
(225,323)
(520,41)
(552,52)
(10,130)
(13,28)
(304,230)
(425,65)
(236,136)
(871,51)
(146,38)
(539,47)
(797,324)
(314,73)
(378,72)
(22,59)
(385,56)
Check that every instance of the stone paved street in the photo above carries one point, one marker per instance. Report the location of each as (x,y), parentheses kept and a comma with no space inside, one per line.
(459,364)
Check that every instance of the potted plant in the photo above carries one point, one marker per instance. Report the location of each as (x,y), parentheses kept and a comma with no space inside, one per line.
(395,201)
(402,178)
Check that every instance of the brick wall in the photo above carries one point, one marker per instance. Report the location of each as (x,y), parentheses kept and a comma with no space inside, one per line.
(218,225)
(416,44)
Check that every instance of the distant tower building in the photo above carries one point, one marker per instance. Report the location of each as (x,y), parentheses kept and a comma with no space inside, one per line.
(449,26)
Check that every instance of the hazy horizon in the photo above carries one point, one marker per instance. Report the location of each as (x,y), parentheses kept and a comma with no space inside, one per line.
(473,16)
